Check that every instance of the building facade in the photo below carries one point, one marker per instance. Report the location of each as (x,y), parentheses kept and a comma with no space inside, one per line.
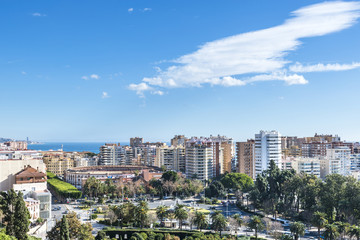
(267,148)
(199,159)
(245,155)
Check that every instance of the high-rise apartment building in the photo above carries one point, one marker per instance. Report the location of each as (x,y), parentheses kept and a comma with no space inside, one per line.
(110,154)
(245,155)
(199,158)
(173,157)
(267,148)
(136,142)
(178,140)
(315,149)
(223,149)
(355,162)
(310,166)
(337,161)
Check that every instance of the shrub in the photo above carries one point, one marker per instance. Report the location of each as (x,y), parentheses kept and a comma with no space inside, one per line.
(94,216)
(64,189)
(50,175)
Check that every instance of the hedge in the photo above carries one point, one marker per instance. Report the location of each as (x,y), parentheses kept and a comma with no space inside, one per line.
(64,189)
(50,175)
(111,232)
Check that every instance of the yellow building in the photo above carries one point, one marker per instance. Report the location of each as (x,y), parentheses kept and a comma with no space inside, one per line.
(57,162)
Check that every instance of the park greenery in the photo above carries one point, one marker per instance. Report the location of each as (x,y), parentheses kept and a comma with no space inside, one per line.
(331,205)
(70,227)
(162,234)
(171,184)
(230,182)
(63,189)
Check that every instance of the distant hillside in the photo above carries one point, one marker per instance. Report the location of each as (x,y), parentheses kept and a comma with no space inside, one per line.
(5,140)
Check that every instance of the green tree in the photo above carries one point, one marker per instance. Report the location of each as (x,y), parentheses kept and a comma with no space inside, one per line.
(319,221)
(331,195)
(141,211)
(170,176)
(215,189)
(237,181)
(286,237)
(180,214)
(297,229)
(331,232)
(85,232)
(218,222)
(343,228)
(161,213)
(200,220)
(64,229)
(4,236)
(8,202)
(257,224)
(237,221)
(22,216)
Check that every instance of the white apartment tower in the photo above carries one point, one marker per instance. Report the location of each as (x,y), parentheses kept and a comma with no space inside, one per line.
(110,154)
(267,148)
(199,159)
(337,161)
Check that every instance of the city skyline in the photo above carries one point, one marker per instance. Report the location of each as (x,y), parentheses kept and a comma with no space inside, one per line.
(107,72)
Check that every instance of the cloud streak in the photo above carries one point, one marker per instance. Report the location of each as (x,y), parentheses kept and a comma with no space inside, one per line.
(320,67)
(261,53)
(92,76)
(105,95)
(36,14)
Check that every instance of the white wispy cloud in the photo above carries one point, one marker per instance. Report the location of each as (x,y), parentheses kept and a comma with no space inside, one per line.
(147,9)
(23,72)
(92,76)
(105,95)
(36,14)
(130,10)
(261,53)
(141,88)
(320,67)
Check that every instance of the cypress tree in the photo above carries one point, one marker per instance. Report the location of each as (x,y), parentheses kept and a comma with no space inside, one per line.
(8,202)
(64,229)
(22,216)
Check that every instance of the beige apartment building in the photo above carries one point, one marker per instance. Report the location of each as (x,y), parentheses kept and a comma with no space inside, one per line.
(57,161)
(246,157)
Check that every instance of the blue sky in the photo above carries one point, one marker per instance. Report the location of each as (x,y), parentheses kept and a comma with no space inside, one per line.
(110,70)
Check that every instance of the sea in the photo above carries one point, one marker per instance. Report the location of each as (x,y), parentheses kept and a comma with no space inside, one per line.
(70,146)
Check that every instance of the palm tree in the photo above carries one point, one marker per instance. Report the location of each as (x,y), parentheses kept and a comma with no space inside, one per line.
(343,228)
(170,214)
(237,220)
(257,224)
(180,214)
(161,212)
(297,229)
(141,211)
(354,232)
(200,220)
(218,221)
(319,221)
(331,232)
